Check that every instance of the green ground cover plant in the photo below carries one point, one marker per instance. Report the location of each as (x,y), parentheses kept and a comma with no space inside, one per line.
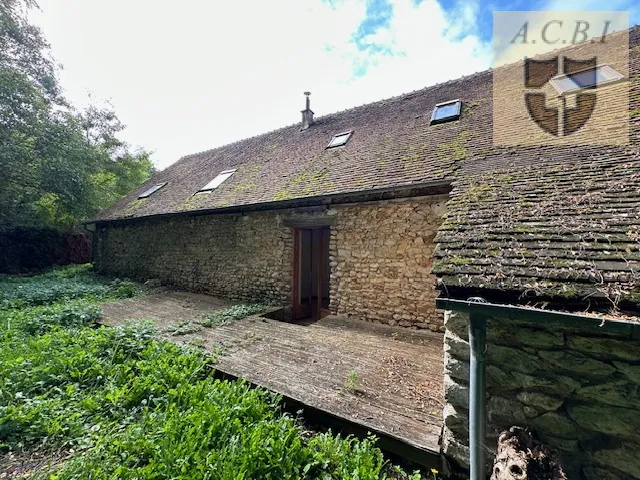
(62,284)
(131,407)
(227,316)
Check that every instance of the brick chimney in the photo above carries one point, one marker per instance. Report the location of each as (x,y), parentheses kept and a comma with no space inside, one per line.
(307,114)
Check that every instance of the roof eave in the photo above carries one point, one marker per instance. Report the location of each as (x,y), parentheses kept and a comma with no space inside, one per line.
(435,187)
(551,318)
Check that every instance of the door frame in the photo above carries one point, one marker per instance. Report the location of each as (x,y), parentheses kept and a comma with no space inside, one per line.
(296,307)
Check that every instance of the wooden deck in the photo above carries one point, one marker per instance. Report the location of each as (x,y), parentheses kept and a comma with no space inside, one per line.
(398,372)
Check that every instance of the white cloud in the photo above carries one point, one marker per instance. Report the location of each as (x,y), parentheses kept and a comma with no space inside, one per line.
(191,76)
(428,46)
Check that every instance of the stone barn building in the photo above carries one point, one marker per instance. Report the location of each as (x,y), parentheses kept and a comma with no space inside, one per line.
(374,211)
(334,214)
(342,213)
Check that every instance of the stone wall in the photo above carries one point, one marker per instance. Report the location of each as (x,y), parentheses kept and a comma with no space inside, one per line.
(380,256)
(578,389)
(380,262)
(234,256)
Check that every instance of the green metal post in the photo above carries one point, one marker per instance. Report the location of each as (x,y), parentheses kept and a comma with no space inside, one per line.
(477,395)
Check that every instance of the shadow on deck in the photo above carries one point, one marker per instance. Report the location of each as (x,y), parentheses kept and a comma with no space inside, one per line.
(395,392)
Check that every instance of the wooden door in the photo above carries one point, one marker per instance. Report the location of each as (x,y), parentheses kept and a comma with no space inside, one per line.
(311,271)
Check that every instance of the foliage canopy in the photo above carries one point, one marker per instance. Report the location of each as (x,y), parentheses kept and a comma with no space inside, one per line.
(59,165)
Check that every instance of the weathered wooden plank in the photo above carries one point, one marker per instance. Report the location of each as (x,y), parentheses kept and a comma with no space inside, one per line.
(399,371)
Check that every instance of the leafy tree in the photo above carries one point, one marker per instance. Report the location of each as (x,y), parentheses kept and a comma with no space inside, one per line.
(59,166)
(121,170)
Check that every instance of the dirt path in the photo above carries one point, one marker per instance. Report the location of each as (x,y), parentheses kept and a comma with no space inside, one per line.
(17,465)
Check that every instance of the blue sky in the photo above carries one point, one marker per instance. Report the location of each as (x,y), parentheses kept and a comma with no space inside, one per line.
(208,73)
(379,14)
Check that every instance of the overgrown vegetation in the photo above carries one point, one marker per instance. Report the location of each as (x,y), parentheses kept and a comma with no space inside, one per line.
(229,315)
(183,328)
(132,407)
(60,285)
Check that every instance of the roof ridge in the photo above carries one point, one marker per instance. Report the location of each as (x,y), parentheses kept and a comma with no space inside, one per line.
(406,94)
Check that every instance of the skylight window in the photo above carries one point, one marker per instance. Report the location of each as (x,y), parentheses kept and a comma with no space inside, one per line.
(216,182)
(446,112)
(340,139)
(152,190)
(589,78)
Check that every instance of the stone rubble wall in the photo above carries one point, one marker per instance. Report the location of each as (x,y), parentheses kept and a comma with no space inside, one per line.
(380,262)
(380,256)
(233,256)
(578,390)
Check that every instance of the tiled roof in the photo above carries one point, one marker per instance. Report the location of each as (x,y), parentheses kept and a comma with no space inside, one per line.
(551,221)
(392,145)
(565,225)
(555,222)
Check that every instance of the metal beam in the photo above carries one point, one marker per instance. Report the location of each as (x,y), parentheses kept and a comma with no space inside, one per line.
(547,318)
(477,395)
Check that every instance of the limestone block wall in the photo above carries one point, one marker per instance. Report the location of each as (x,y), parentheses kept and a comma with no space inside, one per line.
(579,390)
(380,257)
(380,261)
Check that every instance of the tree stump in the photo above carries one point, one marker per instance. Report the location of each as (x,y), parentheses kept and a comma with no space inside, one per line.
(521,457)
